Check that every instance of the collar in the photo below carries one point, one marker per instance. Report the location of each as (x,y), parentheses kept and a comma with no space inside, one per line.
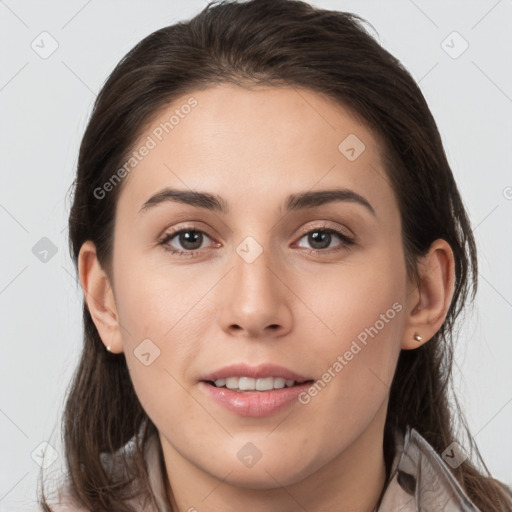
(420,481)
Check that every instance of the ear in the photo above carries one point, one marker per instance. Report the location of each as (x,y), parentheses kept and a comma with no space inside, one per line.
(429,299)
(99,297)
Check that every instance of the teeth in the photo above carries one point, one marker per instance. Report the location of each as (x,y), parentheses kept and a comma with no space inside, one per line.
(250,384)
(246,383)
(265,384)
(279,383)
(231,382)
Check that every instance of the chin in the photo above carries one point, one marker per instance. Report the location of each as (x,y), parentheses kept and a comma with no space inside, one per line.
(266,473)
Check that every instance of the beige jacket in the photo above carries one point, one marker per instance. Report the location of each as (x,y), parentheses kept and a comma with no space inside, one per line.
(419,480)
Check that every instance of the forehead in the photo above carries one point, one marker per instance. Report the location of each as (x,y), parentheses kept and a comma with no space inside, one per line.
(263,142)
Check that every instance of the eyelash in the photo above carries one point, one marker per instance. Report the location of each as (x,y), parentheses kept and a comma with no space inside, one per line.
(347,241)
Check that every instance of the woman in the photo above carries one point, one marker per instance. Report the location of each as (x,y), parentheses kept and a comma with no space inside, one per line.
(273,253)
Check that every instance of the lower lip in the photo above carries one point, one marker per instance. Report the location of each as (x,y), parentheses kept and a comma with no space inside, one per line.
(255,404)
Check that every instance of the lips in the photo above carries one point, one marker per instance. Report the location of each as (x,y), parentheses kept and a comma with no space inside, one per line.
(254,391)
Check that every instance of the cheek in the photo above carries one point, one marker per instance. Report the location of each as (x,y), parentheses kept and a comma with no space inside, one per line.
(154,300)
(161,319)
(354,302)
(356,362)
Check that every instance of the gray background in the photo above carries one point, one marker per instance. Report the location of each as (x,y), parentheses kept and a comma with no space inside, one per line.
(45,103)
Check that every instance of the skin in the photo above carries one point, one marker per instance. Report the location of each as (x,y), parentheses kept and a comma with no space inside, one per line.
(254,148)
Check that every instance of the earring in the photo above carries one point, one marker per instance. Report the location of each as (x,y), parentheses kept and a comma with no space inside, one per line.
(108,349)
(418,338)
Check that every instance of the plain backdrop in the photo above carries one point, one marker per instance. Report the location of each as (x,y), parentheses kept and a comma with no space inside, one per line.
(45,102)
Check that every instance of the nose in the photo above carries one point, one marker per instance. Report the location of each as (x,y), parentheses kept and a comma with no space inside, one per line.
(256,301)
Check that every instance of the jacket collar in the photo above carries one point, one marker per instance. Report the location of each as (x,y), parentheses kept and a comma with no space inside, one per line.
(420,480)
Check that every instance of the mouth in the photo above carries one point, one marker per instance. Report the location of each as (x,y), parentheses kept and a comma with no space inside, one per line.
(254,391)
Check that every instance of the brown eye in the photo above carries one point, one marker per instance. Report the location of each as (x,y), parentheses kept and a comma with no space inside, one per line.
(189,239)
(320,238)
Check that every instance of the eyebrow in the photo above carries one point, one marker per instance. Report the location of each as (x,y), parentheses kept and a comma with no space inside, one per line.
(294,202)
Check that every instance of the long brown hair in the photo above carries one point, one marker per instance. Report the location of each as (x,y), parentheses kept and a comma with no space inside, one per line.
(279,43)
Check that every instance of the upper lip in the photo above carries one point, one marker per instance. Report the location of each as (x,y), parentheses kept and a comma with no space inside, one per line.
(256,372)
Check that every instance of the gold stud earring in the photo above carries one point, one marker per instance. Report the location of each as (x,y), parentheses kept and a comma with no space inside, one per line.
(418,338)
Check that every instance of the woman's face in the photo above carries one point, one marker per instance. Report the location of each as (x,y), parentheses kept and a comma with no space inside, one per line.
(253,294)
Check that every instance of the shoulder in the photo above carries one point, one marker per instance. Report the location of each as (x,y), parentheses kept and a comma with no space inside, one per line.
(66,500)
